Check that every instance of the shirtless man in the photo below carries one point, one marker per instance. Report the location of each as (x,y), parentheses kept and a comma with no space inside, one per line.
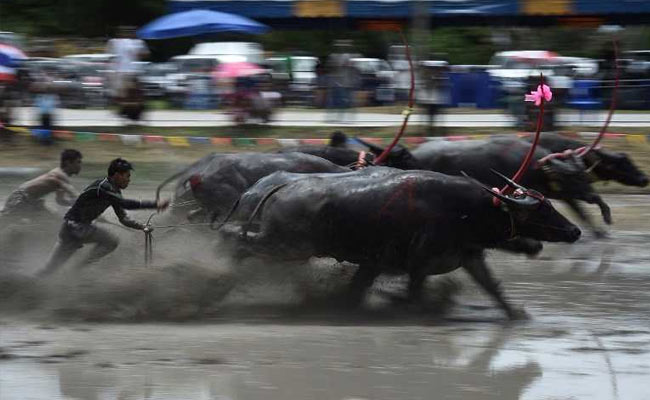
(28,199)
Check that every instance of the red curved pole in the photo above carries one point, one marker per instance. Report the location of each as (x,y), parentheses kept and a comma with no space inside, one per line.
(612,106)
(524,165)
(387,150)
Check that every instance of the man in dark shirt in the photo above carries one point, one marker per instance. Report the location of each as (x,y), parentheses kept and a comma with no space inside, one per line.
(78,228)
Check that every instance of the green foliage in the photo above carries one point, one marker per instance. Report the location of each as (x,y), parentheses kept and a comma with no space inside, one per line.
(319,42)
(458,44)
(464,45)
(85,18)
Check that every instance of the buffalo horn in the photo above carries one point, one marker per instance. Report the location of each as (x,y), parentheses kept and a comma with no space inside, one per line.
(508,180)
(527,201)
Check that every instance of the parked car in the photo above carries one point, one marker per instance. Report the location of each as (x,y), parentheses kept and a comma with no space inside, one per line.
(638,62)
(634,92)
(62,76)
(519,65)
(11,39)
(104,58)
(230,51)
(155,79)
(295,77)
(94,82)
(184,70)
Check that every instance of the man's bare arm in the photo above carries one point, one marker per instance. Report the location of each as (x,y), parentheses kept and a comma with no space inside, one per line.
(66,194)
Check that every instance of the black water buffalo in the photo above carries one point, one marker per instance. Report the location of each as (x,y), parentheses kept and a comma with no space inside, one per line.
(342,156)
(419,222)
(605,164)
(399,156)
(213,184)
(560,179)
(244,209)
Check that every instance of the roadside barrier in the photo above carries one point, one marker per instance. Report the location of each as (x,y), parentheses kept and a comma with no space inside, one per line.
(188,141)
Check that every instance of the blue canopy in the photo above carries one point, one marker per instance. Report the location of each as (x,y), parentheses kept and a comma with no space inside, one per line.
(197,22)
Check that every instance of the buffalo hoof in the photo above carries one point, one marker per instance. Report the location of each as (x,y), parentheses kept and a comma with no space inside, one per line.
(518,314)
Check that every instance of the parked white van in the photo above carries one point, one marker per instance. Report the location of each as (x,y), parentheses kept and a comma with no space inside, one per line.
(230,51)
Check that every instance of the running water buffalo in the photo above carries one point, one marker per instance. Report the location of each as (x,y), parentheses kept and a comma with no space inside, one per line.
(244,208)
(213,184)
(338,155)
(337,152)
(560,179)
(605,164)
(399,157)
(419,222)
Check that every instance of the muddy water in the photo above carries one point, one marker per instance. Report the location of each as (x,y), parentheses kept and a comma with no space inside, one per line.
(588,338)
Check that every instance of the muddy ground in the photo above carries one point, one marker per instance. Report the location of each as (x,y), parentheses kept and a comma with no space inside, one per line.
(193,327)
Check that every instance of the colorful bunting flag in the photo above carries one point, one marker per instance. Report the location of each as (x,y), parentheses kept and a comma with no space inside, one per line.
(242,142)
(221,141)
(178,141)
(131,139)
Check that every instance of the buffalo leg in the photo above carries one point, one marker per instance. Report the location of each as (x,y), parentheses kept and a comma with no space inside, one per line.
(474,264)
(577,208)
(363,278)
(528,246)
(604,208)
(416,283)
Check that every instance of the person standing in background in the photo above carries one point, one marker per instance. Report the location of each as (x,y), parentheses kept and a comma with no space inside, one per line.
(127,51)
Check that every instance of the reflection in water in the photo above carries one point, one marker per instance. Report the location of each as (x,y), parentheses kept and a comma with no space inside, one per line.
(319,362)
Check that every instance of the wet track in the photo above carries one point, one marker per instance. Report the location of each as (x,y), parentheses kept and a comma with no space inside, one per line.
(588,338)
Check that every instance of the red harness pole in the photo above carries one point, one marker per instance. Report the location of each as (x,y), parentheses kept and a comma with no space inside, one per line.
(612,105)
(524,165)
(406,112)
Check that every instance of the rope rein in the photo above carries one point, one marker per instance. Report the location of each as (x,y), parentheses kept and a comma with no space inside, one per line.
(612,105)
(407,111)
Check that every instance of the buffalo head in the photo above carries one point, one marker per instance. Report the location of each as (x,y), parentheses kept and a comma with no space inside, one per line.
(399,156)
(616,166)
(532,215)
(567,177)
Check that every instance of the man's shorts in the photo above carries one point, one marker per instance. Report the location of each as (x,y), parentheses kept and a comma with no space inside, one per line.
(20,204)
(75,233)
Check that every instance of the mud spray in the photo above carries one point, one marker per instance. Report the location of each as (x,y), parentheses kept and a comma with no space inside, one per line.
(191,278)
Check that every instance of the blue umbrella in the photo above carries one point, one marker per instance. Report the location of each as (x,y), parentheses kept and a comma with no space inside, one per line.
(197,22)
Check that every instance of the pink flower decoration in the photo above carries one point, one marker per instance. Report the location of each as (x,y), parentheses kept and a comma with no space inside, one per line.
(542,91)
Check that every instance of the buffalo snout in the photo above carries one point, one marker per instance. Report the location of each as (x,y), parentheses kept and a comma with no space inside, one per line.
(573,234)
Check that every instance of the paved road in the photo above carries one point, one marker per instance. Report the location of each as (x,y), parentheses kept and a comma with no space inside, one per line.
(72,118)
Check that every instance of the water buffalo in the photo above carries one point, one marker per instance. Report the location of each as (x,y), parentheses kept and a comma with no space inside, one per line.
(399,156)
(560,179)
(605,164)
(338,155)
(213,184)
(244,208)
(419,222)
